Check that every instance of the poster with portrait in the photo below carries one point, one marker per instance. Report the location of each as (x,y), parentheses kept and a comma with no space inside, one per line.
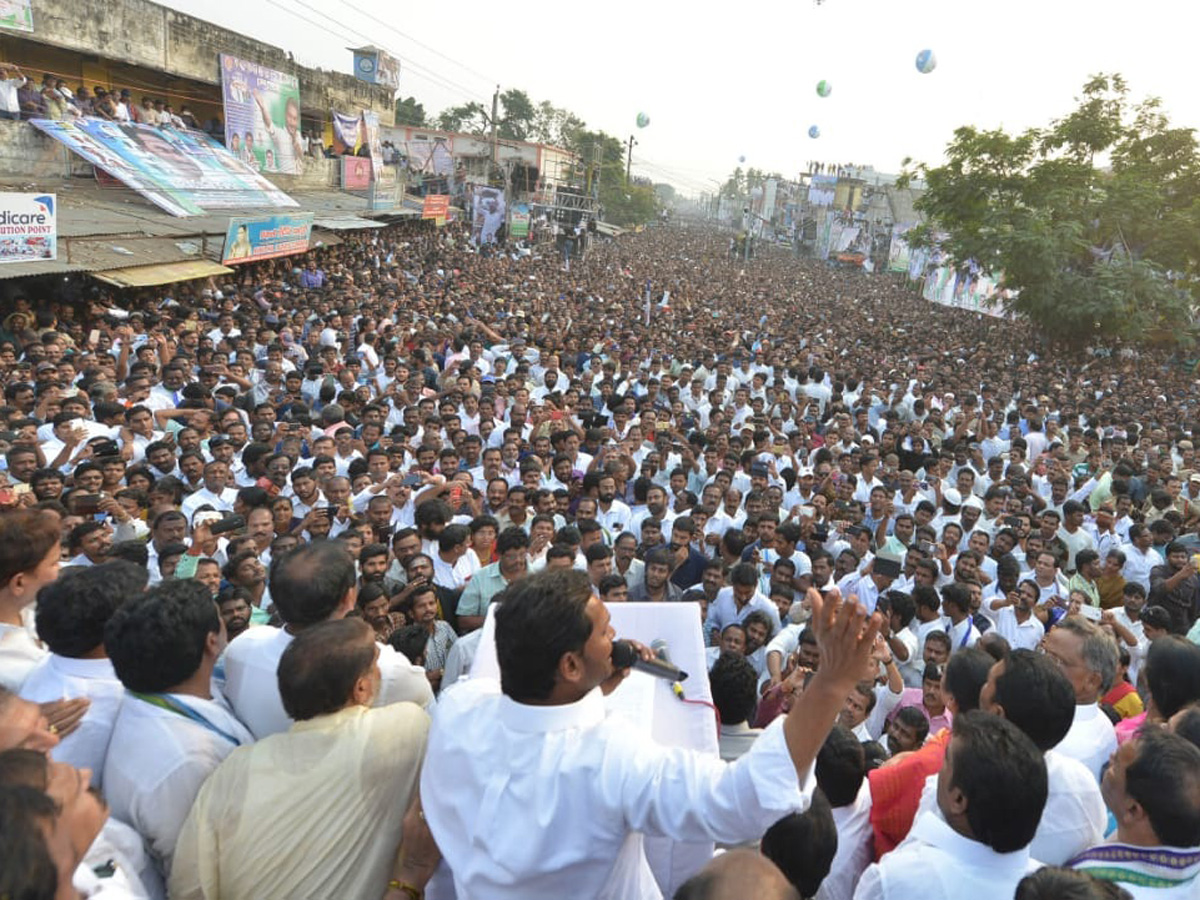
(183,172)
(262,116)
(371,132)
(487,214)
(266,237)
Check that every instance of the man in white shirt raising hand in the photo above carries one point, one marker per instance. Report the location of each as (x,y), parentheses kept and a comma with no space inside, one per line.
(591,784)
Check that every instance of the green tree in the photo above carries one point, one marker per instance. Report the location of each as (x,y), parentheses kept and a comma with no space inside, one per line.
(555,125)
(1093,222)
(517,115)
(410,112)
(469,118)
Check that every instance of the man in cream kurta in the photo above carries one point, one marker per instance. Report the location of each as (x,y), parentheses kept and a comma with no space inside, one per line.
(345,776)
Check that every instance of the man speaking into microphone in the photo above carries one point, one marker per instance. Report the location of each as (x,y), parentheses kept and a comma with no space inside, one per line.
(531,791)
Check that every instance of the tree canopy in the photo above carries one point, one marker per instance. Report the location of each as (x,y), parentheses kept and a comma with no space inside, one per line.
(1093,222)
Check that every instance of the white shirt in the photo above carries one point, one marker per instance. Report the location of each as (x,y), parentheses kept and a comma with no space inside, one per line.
(1073,819)
(1092,738)
(157,760)
(724,610)
(252,659)
(616,519)
(19,651)
(520,831)
(455,577)
(222,502)
(1020,635)
(855,847)
(58,677)
(935,862)
(1138,565)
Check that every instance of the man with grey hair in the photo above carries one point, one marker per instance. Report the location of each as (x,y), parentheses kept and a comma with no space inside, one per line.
(1088,657)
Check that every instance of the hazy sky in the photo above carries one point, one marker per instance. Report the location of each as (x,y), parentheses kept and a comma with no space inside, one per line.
(721,81)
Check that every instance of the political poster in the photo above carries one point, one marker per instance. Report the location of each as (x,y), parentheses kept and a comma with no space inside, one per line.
(518,227)
(371,132)
(253,239)
(16,15)
(28,227)
(487,214)
(262,116)
(435,207)
(356,173)
(347,132)
(898,251)
(377,67)
(183,172)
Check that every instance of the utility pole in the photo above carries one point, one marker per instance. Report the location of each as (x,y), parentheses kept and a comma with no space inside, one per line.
(629,159)
(495,113)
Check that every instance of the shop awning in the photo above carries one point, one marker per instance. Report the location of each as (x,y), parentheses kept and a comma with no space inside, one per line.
(322,238)
(347,223)
(164,273)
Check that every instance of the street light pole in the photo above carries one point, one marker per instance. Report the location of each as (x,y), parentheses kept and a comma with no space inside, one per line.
(629,159)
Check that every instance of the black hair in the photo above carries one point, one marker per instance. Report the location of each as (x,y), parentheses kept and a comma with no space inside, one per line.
(803,845)
(27,870)
(543,617)
(73,610)
(1165,780)
(912,717)
(1055,883)
(1003,777)
(309,582)
(841,766)
(734,683)
(320,666)
(511,538)
(965,675)
(451,537)
(410,641)
(1036,697)
(157,640)
(1172,672)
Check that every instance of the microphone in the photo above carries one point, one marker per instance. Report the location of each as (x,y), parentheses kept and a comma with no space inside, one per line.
(624,656)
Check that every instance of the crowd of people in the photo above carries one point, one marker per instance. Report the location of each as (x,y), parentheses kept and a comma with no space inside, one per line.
(251,531)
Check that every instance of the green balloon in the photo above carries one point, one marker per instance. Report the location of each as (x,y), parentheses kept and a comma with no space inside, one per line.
(824,88)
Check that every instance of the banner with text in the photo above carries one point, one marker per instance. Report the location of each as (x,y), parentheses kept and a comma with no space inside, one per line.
(436,207)
(28,227)
(249,240)
(183,172)
(262,116)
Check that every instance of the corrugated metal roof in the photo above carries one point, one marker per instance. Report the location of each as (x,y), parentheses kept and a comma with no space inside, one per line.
(38,267)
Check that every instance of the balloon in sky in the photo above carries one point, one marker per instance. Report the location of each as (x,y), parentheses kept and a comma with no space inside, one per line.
(741,159)
(814,131)
(642,120)
(824,88)
(926,61)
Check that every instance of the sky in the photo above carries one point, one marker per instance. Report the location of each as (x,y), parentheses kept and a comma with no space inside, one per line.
(725,81)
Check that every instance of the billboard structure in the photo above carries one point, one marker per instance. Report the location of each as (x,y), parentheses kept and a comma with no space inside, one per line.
(28,227)
(262,116)
(376,66)
(16,15)
(253,239)
(183,172)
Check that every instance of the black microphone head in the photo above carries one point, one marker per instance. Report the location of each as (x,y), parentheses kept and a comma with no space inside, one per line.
(623,654)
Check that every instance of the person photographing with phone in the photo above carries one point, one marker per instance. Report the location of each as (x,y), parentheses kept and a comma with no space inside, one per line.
(592,786)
